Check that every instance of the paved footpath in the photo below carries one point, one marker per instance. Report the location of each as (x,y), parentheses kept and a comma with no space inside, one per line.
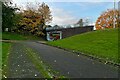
(71,65)
(20,66)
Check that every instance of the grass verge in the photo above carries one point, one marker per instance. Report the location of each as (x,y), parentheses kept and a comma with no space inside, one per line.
(101,43)
(6,47)
(15,36)
(43,68)
(5,51)
(37,62)
(0,60)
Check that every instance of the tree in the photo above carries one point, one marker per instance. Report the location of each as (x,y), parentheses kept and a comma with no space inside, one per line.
(8,12)
(30,22)
(16,19)
(106,20)
(80,23)
(45,13)
(34,19)
(86,22)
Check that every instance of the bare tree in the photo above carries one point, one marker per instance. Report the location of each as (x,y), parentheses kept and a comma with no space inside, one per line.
(80,23)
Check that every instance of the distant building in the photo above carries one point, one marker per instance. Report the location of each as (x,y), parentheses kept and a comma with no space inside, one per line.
(60,33)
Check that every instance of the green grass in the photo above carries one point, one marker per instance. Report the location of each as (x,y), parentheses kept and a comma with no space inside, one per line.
(45,70)
(37,62)
(0,35)
(15,36)
(101,43)
(0,59)
(6,47)
(5,51)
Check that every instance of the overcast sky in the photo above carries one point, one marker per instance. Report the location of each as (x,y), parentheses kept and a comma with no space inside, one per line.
(69,12)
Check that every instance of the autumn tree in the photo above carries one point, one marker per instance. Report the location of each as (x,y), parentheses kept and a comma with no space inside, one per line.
(30,22)
(35,19)
(106,20)
(16,19)
(45,13)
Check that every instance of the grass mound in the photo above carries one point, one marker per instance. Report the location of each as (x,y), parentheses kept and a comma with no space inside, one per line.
(101,43)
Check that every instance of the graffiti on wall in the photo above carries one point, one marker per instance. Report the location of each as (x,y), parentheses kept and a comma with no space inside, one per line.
(55,35)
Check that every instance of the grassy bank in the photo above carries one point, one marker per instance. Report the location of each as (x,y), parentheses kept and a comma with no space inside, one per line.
(102,43)
(5,51)
(15,36)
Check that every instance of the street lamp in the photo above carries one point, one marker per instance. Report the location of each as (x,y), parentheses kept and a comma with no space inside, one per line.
(114,16)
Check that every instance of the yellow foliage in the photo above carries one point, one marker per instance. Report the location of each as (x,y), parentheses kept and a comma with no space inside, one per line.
(106,19)
(31,20)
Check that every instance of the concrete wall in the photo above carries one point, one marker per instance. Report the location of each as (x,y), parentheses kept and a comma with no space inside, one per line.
(73,31)
(67,32)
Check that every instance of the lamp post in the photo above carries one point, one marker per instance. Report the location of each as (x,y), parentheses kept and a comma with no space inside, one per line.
(114,16)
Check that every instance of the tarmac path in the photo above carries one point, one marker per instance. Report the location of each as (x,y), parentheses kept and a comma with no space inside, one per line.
(71,65)
(20,66)
(66,63)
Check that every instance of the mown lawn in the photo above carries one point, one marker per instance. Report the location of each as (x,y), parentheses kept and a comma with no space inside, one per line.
(101,43)
(5,51)
(15,36)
